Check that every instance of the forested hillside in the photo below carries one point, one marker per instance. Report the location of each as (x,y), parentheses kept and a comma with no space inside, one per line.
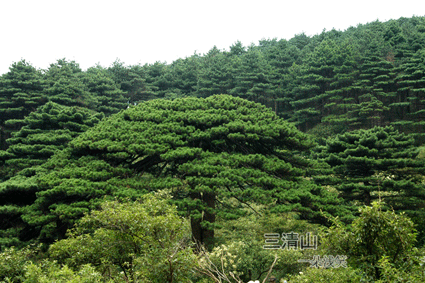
(321,134)
(369,75)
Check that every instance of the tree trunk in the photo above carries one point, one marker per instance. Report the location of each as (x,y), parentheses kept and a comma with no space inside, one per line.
(367,198)
(201,234)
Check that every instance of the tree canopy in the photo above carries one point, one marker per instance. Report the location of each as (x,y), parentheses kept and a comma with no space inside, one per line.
(376,164)
(44,133)
(206,151)
(21,92)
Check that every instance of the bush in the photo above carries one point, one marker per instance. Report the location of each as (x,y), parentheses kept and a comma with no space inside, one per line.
(48,271)
(13,262)
(377,243)
(334,275)
(142,241)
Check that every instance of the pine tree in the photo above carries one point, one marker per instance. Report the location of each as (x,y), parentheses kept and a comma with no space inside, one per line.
(66,87)
(253,77)
(373,164)
(184,74)
(320,82)
(281,57)
(131,80)
(110,99)
(21,92)
(45,132)
(156,79)
(408,108)
(206,151)
(377,89)
(217,74)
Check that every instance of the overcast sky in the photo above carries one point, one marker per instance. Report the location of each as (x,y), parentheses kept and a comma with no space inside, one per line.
(139,32)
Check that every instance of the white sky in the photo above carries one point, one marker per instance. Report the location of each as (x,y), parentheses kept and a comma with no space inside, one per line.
(139,32)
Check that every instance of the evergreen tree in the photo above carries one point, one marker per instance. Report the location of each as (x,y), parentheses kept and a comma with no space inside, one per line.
(206,151)
(408,107)
(45,132)
(21,92)
(132,80)
(253,79)
(183,74)
(237,49)
(217,74)
(281,56)
(300,41)
(66,87)
(157,80)
(110,99)
(320,80)
(376,88)
(373,164)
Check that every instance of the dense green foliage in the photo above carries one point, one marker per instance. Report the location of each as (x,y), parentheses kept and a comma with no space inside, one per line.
(145,239)
(378,163)
(369,75)
(45,132)
(263,138)
(377,242)
(21,92)
(206,151)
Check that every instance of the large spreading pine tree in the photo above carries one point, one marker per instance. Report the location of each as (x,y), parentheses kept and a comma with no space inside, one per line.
(206,151)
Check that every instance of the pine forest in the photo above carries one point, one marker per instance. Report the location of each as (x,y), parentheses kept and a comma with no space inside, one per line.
(299,160)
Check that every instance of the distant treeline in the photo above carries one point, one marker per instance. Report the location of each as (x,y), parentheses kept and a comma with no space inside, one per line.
(369,75)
